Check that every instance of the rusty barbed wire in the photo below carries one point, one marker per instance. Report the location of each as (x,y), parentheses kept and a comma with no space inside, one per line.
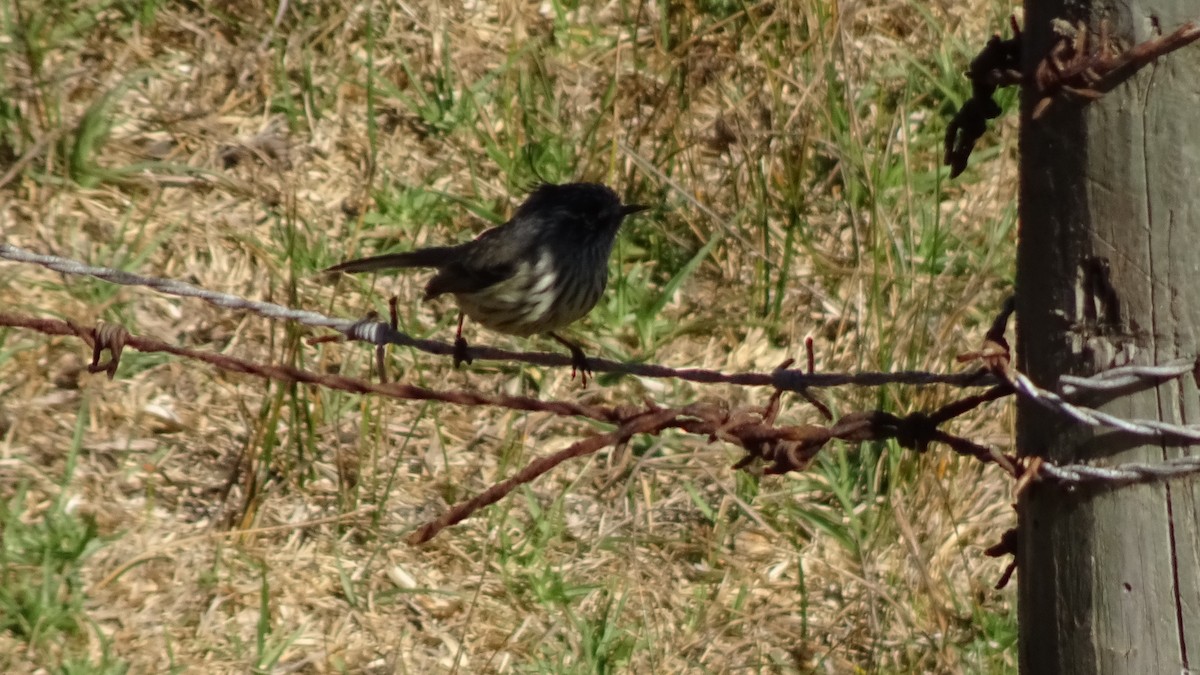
(1077,67)
(780,448)
(1075,70)
(643,423)
(380,333)
(752,428)
(100,339)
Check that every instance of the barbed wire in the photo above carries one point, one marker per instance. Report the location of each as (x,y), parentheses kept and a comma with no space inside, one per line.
(115,338)
(1155,429)
(380,333)
(996,357)
(1125,473)
(1124,377)
(783,449)
(269,310)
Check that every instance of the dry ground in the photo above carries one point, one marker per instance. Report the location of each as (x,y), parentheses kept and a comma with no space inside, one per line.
(241,147)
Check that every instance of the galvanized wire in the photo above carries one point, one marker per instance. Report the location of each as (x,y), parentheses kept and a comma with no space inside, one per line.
(1154,429)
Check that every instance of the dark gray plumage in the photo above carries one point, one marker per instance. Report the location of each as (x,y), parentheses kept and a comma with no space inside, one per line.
(542,270)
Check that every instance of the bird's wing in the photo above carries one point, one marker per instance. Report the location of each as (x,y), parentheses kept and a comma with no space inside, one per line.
(482,262)
(460,278)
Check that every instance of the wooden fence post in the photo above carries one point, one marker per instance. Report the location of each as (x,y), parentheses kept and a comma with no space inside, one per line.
(1108,272)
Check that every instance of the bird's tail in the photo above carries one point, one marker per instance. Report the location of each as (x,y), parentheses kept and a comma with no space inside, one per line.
(434,256)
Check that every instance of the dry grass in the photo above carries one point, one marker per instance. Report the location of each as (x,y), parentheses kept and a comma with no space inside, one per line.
(210,144)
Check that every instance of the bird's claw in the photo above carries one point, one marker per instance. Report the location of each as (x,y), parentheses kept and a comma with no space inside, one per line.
(579,363)
(460,352)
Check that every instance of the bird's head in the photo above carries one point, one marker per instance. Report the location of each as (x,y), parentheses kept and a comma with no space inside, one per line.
(588,206)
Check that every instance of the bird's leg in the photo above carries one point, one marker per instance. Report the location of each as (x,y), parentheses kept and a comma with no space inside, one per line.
(460,345)
(578,359)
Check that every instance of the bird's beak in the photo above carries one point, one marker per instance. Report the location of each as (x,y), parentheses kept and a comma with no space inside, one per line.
(630,209)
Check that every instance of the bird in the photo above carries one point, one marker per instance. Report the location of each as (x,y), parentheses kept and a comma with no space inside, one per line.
(539,272)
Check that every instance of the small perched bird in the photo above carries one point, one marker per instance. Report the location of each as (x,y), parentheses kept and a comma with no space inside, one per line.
(542,270)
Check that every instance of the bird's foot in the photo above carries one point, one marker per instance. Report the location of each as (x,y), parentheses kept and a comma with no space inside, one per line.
(579,362)
(460,352)
(460,344)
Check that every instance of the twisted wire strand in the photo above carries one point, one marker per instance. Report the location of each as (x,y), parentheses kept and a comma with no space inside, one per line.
(269,310)
(115,338)
(380,333)
(1154,429)
(1121,474)
(1116,379)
